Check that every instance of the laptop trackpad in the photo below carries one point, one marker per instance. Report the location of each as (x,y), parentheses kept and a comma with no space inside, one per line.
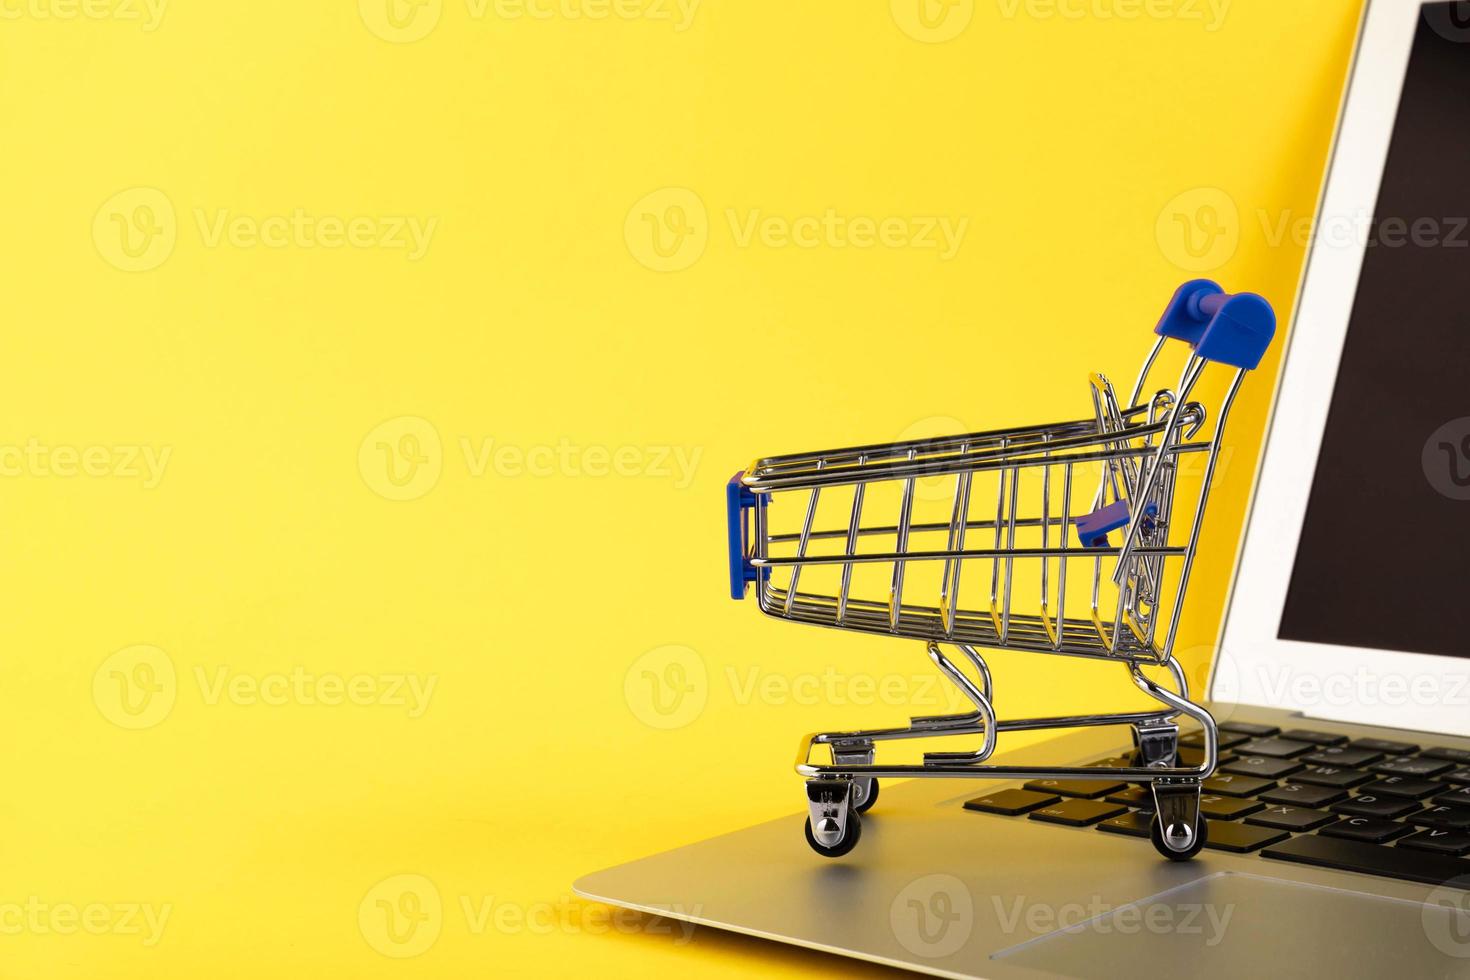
(1236,925)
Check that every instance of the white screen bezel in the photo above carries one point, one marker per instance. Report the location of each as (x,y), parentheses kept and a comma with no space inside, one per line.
(1254,666)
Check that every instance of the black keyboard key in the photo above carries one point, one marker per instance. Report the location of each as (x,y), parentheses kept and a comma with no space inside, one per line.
(1383,745)
(1276,748)
(1338,755)
(1378,807)
(1224,739)
(1077,813)
(1010,802)
(1084,789)
(1247,728)
(1458,776)
(1229,784)
(1300,794)
(1462,756)
(1443,818)
(1406,786)
(1419,767)
(1114,762)
(1316,738)
(1459,796)
(1139,796)
(1373,859)
(1195,757)
(1294,818)
(1132,824)
(1439,841)
(1334,776)
(1367,829)
(1226,807)
(1261,766)
(1241,838)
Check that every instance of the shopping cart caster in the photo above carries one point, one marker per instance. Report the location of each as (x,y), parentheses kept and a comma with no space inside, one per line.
(1178,829)
(858,752)
(1195,838)
(847,836)
(832,824)
(865,794)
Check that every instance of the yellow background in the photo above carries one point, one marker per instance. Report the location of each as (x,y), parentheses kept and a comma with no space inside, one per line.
(1080,144)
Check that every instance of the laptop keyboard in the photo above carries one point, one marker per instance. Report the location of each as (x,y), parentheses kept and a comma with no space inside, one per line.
(1369,805)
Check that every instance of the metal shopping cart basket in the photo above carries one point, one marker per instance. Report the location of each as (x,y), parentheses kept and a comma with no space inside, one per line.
(1103,499)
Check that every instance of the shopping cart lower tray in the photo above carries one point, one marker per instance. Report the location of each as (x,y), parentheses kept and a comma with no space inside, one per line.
(1071,539)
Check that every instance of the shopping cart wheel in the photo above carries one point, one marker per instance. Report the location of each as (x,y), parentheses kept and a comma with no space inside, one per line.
(850,834)
(864,794)
(1197,837)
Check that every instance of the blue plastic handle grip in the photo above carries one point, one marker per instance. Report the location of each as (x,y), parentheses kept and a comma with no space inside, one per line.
(1228,329)
(737,501)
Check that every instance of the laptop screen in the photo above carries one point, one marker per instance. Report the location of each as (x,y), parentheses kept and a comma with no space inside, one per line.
(1385,545)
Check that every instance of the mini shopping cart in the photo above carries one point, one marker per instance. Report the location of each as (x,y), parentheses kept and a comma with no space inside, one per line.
(1105,499)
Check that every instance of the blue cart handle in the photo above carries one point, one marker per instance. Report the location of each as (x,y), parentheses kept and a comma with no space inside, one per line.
(1228,329)
(738,501)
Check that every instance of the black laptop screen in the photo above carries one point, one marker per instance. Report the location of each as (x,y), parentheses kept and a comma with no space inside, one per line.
(1385,544)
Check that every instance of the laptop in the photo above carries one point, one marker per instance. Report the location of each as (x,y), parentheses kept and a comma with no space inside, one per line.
(1338,836)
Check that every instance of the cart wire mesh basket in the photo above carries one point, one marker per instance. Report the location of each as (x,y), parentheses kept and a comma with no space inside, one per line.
(1073,539)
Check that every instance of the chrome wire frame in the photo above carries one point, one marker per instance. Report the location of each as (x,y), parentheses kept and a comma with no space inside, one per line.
(1138,449)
